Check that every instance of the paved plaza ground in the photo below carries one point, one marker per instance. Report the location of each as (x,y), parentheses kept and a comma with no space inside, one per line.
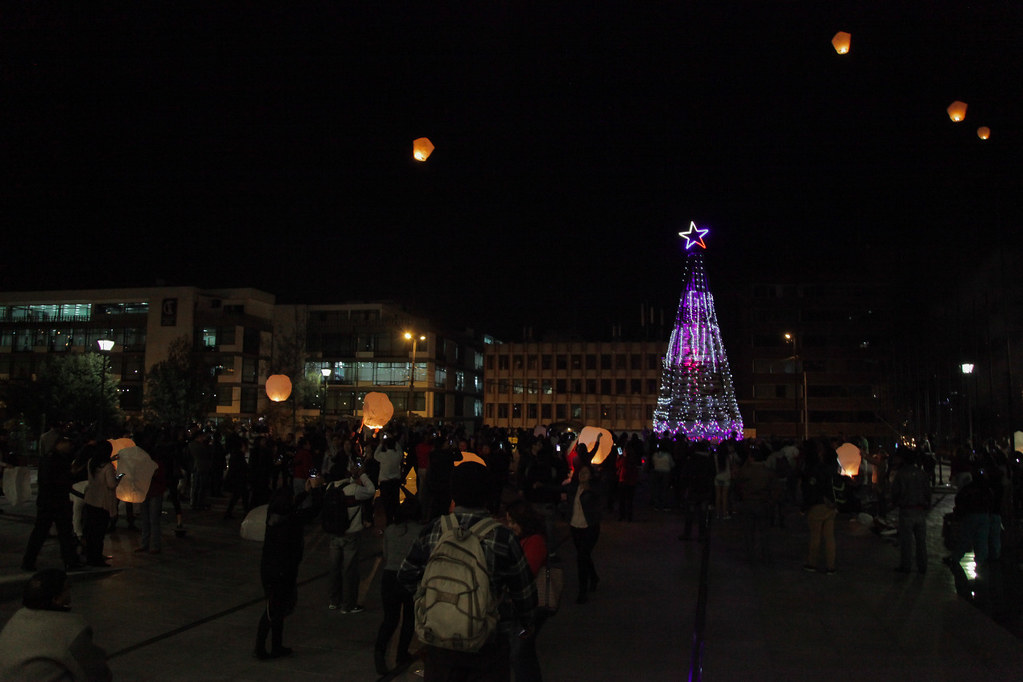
(190,613)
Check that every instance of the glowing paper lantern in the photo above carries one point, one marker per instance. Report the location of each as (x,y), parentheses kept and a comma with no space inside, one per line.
(421,149)
(118,444)
(138,469)
(254,524)
(849,458)
(957,111)
(540,431)
(983,132)
(470,457)
(278,387)
(841,42)
(588,436)
(377,410)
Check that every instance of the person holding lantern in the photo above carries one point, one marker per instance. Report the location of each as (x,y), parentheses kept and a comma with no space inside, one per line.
(100,502)
(283,548)
(586,504)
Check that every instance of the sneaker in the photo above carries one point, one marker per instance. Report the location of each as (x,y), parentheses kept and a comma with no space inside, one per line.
(809,569)
(831,571)
(332,606)
(354,609)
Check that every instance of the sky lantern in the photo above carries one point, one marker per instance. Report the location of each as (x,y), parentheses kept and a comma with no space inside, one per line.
(377,410)
(422,148)
(849,457)
(588,436)
(841,42)
(278,387)
(957,111)
(983,132)
(138,469)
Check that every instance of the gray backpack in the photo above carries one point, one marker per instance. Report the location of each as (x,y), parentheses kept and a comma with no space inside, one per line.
(454,607)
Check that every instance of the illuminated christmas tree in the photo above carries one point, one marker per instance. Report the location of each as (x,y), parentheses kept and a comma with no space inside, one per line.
(697,397)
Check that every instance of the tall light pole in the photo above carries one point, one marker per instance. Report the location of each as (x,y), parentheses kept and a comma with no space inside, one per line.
(105,346)
(967,369)
(415,338)
(800,421)
(326,372)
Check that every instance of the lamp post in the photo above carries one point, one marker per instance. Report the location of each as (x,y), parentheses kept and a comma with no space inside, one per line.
(326,372)
(105,346)
(967,369)
(415,338)
(800,413)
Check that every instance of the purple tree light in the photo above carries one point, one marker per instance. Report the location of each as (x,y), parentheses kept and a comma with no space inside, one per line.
(697,397)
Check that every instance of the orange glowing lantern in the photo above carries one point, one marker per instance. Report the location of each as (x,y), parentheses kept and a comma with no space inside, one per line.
(588,436)
(841,42)
(377,410)
(470,457)
(278,387)
(957,111)
(983,132)
(849,458)
(422,148)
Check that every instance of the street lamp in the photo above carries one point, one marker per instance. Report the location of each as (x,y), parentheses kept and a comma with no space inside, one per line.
(105,346)
(800,414)
(415,339)
(326,372)
(967,368)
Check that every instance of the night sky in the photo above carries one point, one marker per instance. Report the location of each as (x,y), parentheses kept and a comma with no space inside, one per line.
(269,145)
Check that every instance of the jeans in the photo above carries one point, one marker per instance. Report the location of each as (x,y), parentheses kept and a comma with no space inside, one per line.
(913,532)
(821,519)
(974,532)
(343,575)
(58,514)
(151,510)
(585,539)
(397,605)
(96,521)
(200,490)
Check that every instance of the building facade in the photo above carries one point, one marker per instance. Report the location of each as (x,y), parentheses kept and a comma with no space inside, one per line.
(816,361)
(230,327)
(244,335)
(610,384)
(370,347)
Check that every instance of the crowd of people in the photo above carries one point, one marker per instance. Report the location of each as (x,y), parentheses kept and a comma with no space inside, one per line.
(403,482)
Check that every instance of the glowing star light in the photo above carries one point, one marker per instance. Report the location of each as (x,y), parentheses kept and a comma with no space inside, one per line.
(694,236)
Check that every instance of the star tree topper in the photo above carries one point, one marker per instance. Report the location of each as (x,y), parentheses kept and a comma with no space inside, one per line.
(694,236)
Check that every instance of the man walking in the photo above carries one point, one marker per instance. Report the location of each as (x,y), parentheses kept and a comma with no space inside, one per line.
(53,507)
(911,493)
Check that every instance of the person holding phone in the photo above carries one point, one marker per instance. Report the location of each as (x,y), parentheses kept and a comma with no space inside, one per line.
(100,501)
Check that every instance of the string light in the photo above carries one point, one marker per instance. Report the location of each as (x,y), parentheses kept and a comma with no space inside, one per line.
(697,396)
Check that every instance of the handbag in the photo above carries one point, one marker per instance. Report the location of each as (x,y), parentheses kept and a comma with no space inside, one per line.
(549,584)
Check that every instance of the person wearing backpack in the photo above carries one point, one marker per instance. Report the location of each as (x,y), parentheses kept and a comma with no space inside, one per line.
(342,521)
(819,505)
(472,584)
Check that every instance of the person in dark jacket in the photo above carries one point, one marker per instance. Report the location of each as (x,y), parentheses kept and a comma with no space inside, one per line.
(53,507)
(911,493)
(283,547)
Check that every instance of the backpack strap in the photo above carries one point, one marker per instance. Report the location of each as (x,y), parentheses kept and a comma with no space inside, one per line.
(483,527)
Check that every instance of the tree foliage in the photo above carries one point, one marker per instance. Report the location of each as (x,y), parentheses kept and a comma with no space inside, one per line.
(73,387)
(182,388)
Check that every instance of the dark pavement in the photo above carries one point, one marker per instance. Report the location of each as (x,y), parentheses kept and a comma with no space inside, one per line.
(190,613)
